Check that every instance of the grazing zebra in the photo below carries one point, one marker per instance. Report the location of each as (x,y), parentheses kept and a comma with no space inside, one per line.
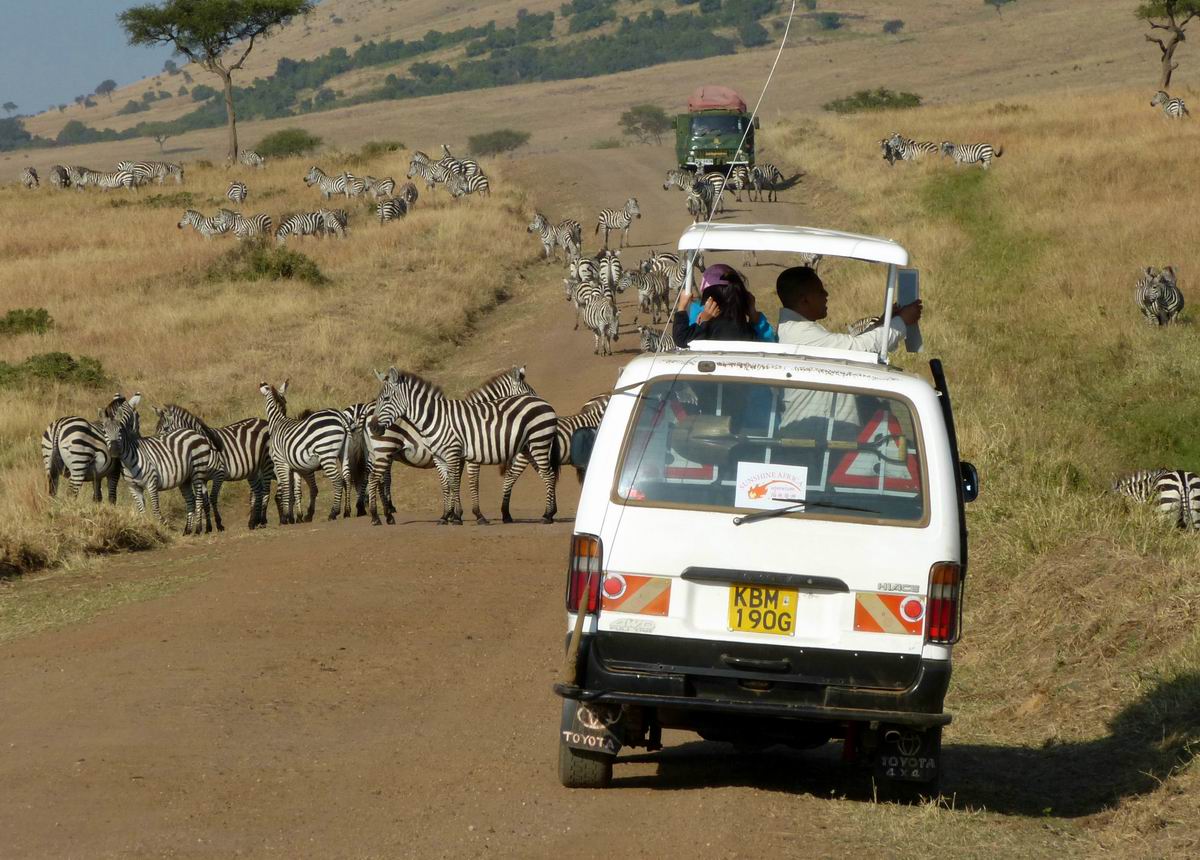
(380,188)
(392,209)
(181,458)
(29,178)
(602,317)
(1158,296)
(78,175)
(431,173)
(656,341)
(455,431)
(112,179)
(76,447)
(1176,492)
(300,224)
(408,193)
(242,454)
(311,441)
(144,171)
(906,149)
(237,192)
(477,184)
(609,271)
(766,175)
(352,186)
(334,222)
(618,219)
(205,226)
(681,179)
(327,185)
(250,158)
(972,153)
(653,290)
(243,227)
(59,177)
(1173,108)
(864,325)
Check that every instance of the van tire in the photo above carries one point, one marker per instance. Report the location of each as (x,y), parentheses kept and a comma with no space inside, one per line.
(583,769)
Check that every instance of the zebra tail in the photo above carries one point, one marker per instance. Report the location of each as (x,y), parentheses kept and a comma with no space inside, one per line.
(998,151)
(55,465)
(356,453)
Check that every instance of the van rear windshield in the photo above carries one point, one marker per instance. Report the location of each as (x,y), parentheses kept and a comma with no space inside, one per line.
(746,446)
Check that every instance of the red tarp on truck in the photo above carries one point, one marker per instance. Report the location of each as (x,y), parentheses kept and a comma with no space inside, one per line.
(716,98)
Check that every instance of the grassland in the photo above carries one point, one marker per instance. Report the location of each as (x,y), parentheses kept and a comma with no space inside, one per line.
(163,312)
(1082,650)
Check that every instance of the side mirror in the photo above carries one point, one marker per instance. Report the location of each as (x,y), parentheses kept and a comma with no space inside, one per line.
(582,442)
(969,476)
(756,122)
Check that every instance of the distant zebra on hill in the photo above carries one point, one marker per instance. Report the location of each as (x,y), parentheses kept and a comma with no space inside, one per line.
(237,192)
(1158,296)
(250,158)
(1173,108)
(618,219)
(205,226)
(29,178)
(392,209)
(972,153)
(1177,493)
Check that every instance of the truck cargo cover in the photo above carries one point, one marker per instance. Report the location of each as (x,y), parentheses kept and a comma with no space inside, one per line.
(712,97)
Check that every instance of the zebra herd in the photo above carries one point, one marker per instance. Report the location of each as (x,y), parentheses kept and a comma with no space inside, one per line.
(705,191)
(500,422)
(461,176)
(897,147)
(129,174)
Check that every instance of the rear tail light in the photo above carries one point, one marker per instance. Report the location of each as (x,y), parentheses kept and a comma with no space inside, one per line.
(944,612)
(584,573)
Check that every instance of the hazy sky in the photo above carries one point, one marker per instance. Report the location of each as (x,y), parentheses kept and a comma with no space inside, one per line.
(54,50)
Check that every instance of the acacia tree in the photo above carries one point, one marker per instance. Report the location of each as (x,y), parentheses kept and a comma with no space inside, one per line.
(9,107)
(1171,17)
(106,87)
(205,30)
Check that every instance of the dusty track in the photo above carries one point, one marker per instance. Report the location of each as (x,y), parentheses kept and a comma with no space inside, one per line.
(338,690)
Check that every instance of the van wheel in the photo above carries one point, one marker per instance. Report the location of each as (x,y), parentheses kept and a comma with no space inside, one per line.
(583,769)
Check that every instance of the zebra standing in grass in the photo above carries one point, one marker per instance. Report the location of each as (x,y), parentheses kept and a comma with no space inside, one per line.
(618,219)
(456,431)
(243,227)
(76,447)
(300,224)
(312,441)
(1158,296)
(144,171)
(972,153)
(352,186)
(59,177)
(380,188)
(477,184)
(906,149)
(29,178)
(681,179)
(766,175)
(431,173)
(205,226)
(392,209)
(1176,492)
(334,222)
(327,185)
(237,192)
(78,175)
(181,458)
(603,319)
(408,193)
(656,341)
(1173,108)
(106,181)
(250,158)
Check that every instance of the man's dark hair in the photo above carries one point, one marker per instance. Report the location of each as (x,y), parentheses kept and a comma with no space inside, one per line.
(792,284)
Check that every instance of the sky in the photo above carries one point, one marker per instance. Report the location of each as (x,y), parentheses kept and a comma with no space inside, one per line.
(54,50)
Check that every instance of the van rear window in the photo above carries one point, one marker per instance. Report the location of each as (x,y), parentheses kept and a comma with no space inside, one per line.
(746,446)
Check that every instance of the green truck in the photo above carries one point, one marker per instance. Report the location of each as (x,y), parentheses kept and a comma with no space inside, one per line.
(707,136)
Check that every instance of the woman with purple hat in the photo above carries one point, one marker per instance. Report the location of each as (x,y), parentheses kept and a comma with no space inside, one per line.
(726,311)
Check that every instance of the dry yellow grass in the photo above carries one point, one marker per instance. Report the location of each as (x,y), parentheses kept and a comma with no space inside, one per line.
(126,287)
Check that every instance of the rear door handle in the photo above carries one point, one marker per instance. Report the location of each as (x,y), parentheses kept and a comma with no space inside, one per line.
(781,665)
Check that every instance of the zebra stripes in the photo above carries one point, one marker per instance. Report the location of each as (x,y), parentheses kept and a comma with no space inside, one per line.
(1176,492)
(250,158)
(972,153)
(106,181)
(205,226)
(408,193)
(1173,108)
(455,431)
(181,458)
(653,290)
(765,175)
(431,173)
(59,177)
(334,222)
(653,340)
(864,325)
(461,186)
(327,185)
(602,317)
(1158,296)
(77,448)
(590,416)
(253,227)
(681,179)
(237,192)
(144,171)
(352,186)
(380,188)
(568,235)
(29,178)
(320,223)
(609,271)
(392,209)
(907,149)
(618,219)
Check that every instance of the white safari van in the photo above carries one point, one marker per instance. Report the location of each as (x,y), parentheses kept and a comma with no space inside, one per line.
(770,548)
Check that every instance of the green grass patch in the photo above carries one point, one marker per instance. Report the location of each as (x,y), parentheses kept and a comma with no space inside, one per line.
(606,143)
(880,98)
(260,261)
(176,200)
(54,367)
(26,321)
(496,142)
(287,142)
(376,148)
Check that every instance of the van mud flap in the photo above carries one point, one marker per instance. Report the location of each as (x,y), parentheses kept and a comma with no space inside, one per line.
(908,754)
(596,728)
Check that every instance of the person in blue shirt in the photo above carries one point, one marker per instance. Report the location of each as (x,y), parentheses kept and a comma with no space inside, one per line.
(709,311)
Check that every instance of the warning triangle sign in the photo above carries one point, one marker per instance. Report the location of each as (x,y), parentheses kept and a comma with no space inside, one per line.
(887,463)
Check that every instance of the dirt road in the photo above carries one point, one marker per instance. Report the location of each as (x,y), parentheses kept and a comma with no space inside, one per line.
(338,690)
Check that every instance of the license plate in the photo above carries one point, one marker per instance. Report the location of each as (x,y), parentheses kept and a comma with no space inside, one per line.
(756,609)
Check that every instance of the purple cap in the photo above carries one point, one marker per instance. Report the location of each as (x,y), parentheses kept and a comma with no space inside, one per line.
(718,273)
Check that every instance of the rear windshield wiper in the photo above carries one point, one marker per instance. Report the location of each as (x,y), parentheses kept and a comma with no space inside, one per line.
(798,506)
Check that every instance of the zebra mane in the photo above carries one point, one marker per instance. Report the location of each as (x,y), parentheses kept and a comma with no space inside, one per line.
(421,383)
(498,375)
(195,422)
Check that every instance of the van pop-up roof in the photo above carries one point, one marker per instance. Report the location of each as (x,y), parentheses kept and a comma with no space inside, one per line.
(713,97)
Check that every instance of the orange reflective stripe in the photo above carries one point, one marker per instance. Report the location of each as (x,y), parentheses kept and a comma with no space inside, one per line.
(641,595)
(885,613)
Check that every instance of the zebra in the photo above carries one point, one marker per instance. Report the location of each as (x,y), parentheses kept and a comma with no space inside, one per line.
(392,209)
(603,318)
(59,177)
(681,179)
(618,219)
(334,222)
(242,450)
(1173,108)
(78,175)
(581,269)
(431,173)
(477,184)
(766,175)
(715,184)
(653,289)
(581,293)
(1176,492)
(699,202)
(250,158)
(1158,296)
(352,186)
(408,193)
(739,180)
(254,227)
(311,441)
(547,234)
(76,447)
(864,325)
(156,170)
(380,188)
(456,431)
(419,157)
(327,185)
(906,149)
(237,192)
(570,237)
(205,226)
(111,179)
(465,166)
(608,268)
(972,153)
(300,224)
(181,458)
(656,341)
(29,178)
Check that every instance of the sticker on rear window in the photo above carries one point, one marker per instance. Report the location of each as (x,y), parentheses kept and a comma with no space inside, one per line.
(768,486)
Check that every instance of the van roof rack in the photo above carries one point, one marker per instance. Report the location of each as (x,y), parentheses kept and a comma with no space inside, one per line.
(792,240)
(766,348)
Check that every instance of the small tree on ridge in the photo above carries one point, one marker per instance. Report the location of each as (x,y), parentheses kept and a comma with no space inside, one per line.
(645,122)
(105,88)
(1172,17)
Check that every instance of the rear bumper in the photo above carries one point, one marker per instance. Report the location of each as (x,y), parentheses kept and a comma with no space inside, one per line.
(686,675)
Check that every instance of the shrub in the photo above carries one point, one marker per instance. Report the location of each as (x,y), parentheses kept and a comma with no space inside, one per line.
(132,107)
(202,93)
(148,96)
(183,91)
(753,34)
(709,6)
(24,320)
(287,141)
(54,366)
(176,200)
(877,99)
(376,148)
(606,143)
(258,261)
(893,26)
(496,142)
(645,122)
(829,20)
